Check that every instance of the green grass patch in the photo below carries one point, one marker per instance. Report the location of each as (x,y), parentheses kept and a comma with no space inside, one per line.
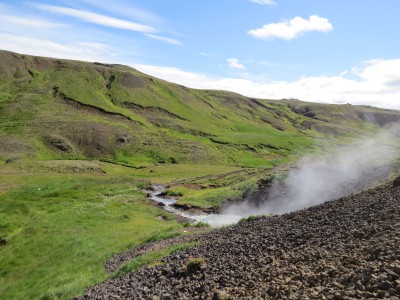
(250,219)
(172,193)
(214,197)
(170,172)
(5,97)
(194,264)
(61,229)
(151,258)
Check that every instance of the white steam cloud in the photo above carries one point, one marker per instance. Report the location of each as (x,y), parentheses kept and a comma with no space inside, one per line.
(316,180)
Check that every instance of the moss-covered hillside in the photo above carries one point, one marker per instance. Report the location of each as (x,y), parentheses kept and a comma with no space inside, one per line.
(60,109)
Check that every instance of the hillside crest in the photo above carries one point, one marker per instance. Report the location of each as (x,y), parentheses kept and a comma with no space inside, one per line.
(64,109)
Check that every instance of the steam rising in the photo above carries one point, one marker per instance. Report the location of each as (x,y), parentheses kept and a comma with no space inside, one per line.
(316,180)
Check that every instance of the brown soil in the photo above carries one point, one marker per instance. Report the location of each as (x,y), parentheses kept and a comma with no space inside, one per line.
(131,81)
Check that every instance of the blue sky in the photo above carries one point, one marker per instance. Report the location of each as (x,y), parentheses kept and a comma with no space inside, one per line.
(324,51)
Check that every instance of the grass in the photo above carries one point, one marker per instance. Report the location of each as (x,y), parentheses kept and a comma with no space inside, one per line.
(151,258)
(194,264)
(250,219)
(201,225)
(214,197)
(61,229)
(167,173)
(208,198)
(63,219)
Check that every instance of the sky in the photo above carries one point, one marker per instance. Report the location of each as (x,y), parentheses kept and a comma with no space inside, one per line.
(331,51)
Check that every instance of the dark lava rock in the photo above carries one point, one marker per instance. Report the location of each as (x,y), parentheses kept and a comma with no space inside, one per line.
(59,143)
(123,139)
(396,182)
(11,160)
(3,242)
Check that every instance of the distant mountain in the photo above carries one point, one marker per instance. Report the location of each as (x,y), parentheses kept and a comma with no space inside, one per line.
(63,109)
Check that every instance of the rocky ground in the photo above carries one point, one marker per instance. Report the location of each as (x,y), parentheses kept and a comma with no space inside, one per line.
(343,249)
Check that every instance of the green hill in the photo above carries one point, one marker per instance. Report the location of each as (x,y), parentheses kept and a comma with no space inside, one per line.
(79,140)
(61,109)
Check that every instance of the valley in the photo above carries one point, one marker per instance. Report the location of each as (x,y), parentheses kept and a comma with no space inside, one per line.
(80,142)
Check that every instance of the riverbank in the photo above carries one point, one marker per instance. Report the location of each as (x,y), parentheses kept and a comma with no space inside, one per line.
(187,213)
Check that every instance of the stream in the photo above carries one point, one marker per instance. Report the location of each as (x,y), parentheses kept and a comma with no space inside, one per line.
(214,220)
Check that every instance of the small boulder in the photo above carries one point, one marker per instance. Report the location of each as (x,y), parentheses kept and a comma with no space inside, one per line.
(162,218)
(11,160)
(59,143)
(122,139)
(396,182)
(194,264)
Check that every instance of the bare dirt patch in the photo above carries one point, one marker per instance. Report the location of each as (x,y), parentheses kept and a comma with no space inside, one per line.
(131,81)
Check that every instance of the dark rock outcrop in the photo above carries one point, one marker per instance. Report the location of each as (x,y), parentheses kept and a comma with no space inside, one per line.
(59,143)
(396,182)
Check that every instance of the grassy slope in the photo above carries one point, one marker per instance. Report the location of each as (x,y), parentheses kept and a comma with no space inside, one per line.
(79,138)
(64,218)
(118,114)
(62,228)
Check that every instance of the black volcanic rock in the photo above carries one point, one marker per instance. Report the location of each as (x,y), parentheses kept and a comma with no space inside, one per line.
(396,182)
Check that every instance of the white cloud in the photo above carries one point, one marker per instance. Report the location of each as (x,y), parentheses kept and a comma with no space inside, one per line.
(30,22)
(95,18)
(124,8)
(235,64)
(88,51)
(164,39)
(175,75)
(291,29)
(264,2)
(376,83)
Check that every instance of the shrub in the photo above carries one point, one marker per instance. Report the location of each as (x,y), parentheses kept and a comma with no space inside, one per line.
(172,193)
(250,219)
(201,224)
(278,177)
(220,295)
(194,264)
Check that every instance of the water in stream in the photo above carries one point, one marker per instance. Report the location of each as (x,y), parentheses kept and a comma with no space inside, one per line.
(214,220)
